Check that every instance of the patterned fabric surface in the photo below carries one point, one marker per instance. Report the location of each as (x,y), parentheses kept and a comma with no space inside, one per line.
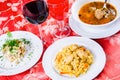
(11,19)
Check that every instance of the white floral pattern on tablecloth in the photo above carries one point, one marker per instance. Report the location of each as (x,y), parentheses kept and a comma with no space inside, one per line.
(11,19)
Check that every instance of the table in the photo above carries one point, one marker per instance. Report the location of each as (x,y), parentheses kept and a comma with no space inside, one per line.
(11,19)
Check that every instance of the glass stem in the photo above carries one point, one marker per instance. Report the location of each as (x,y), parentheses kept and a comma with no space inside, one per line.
(60,24)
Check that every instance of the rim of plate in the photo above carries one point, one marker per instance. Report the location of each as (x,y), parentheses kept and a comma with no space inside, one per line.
(51,51)
(94,33)
(35,59)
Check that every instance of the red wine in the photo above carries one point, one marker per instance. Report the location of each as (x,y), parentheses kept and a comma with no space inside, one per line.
(36,12)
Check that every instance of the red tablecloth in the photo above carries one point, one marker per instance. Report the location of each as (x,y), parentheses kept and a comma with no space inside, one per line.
(11,19)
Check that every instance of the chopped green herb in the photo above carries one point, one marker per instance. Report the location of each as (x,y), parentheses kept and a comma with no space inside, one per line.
(1,56)
(29,58)
(30,53)
(11,43)
(9,34)
(4,45)
(11,49)
(25,41)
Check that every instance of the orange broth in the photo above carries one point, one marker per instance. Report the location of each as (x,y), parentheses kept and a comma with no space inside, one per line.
(88,16)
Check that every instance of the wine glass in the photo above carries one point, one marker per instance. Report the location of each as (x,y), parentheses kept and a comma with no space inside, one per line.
(35,12)
(59,10)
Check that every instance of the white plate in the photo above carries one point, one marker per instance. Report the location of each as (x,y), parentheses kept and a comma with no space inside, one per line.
(94,47)
(94,33)
(32,56)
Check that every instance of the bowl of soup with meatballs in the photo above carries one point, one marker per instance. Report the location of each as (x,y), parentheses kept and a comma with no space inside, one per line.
(91,13)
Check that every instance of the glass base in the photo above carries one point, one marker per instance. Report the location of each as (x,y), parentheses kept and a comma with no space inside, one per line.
(62,32)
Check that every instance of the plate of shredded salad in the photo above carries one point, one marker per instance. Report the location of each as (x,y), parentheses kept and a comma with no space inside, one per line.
(19,51)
